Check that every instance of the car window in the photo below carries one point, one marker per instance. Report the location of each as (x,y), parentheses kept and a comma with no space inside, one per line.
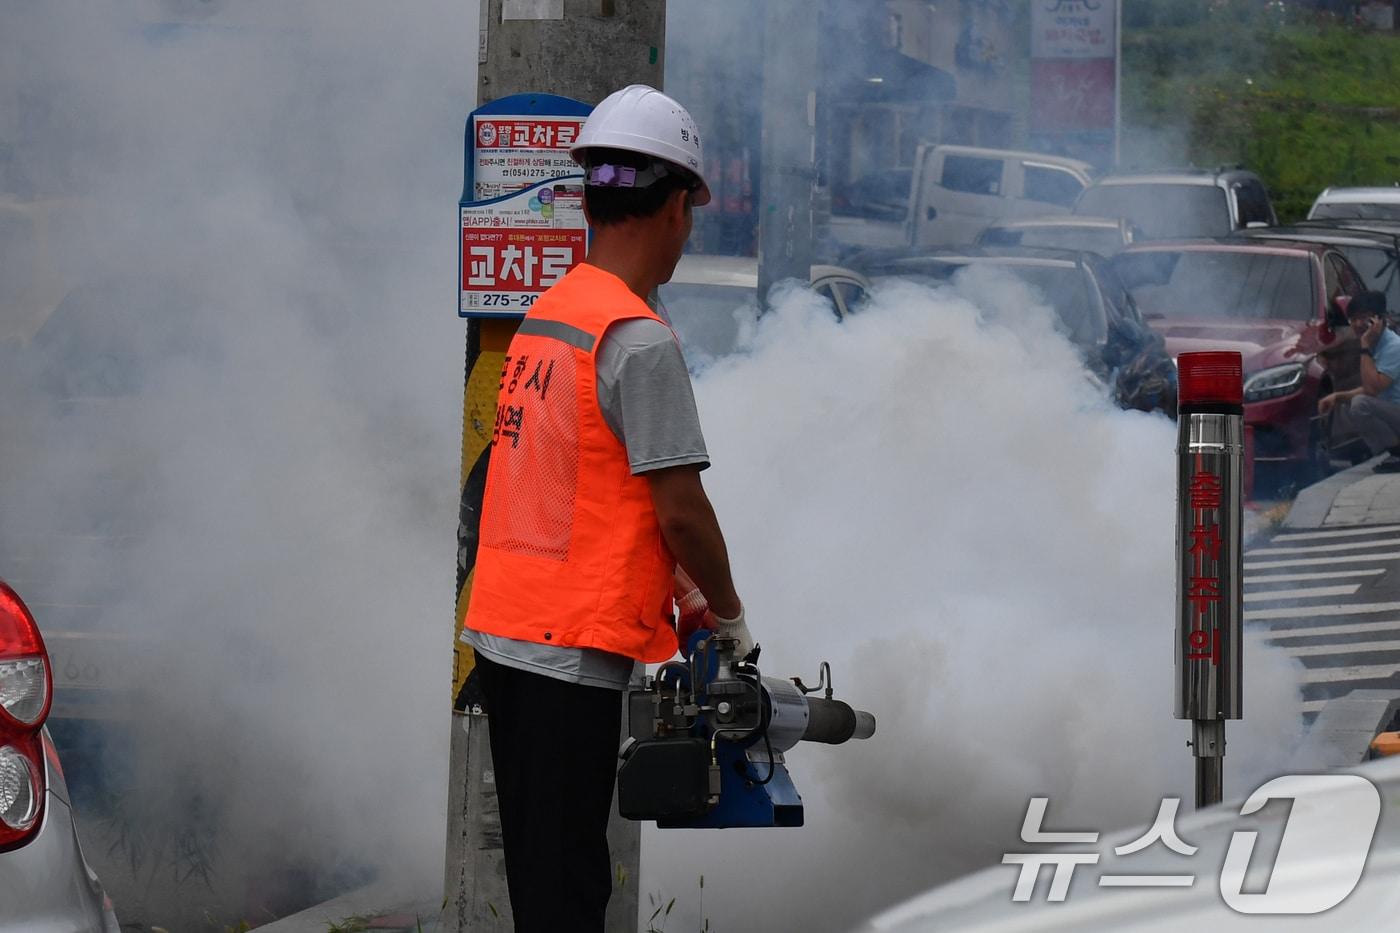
(1162,211)
(972,174)
(1336,211)
(1219,284)
(1065,290)
(1350,281)
(1051,185)
(1379,270)
(1117,295)
(707,318)
(1252,202)
(1331,280)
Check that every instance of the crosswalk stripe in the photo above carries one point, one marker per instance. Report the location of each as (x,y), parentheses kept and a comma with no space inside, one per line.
(1333,675)
(1302,651)
(1283,634)
(1314,561)
(1251,579)
(1313,706)
(1336,533)
(1305,592)
(1324,548)
(1303,612)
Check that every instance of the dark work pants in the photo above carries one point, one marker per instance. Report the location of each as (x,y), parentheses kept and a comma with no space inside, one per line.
(554,750)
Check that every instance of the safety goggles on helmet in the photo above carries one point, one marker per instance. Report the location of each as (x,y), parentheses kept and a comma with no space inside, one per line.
(642,120)
(624,176)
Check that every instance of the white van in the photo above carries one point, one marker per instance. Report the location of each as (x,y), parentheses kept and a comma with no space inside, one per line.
(957,191)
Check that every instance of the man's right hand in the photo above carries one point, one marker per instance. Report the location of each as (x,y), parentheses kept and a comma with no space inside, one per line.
(738,628)
(1326,403)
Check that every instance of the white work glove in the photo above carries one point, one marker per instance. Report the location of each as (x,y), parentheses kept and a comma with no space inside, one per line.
(736,627)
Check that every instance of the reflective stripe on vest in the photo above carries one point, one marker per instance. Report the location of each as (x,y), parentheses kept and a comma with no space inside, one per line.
(571,553)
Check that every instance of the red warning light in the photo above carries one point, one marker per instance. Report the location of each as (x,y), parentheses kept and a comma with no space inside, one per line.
(1212,377)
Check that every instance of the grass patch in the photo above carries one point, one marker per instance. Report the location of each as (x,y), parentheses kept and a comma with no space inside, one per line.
(1303,100)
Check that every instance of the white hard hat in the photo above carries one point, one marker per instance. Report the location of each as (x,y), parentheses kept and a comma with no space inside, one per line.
(642,119)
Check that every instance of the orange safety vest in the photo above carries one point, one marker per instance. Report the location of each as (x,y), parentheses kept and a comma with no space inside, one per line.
(570,550)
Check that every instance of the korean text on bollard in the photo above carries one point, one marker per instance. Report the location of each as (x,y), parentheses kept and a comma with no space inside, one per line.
(1210,501)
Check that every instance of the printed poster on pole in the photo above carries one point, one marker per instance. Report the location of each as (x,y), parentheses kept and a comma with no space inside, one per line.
(516,246)
(521,211)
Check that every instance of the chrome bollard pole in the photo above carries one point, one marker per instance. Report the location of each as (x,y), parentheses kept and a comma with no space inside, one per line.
(1209,601)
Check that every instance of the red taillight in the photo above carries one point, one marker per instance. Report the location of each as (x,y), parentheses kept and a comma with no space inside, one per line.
(26,692)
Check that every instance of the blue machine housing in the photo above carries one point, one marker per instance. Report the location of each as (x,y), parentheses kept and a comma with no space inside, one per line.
(751,795)
(743,799)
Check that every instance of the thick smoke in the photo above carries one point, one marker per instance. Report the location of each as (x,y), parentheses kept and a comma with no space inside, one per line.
(238,435)
(239,438)
(933,497)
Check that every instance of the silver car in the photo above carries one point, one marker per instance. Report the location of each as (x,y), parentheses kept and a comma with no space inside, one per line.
(46,885)
(709,299)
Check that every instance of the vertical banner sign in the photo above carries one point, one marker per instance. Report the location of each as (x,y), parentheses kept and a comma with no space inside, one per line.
(521,229)
(1074,77)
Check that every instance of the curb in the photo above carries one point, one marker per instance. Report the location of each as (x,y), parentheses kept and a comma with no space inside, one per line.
(1311,506)
(1341,735)
(371,901)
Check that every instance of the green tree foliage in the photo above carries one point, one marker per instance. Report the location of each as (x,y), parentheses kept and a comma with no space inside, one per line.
(1302,98)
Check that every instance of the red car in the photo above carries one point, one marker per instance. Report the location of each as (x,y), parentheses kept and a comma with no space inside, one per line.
(1282,305)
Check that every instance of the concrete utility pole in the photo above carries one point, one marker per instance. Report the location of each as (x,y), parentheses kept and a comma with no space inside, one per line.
(787,174)
(584,49)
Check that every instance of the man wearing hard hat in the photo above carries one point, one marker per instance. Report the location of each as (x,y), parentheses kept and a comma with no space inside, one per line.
(593,497)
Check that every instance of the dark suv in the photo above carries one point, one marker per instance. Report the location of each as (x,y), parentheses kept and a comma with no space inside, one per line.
(1177,205)
(1095,312)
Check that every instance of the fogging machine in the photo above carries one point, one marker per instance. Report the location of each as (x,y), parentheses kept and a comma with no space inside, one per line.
(707,737)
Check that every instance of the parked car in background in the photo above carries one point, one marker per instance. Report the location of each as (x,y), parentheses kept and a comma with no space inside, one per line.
(1357,204)
(1096,313)
(709,299)
(45,882)
(1102,235)
(1374,253)
(1171,205)
(1282,306)
(956,191)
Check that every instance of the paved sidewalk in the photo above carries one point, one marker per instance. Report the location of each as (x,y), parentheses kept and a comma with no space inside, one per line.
(1356,496)
(375,908)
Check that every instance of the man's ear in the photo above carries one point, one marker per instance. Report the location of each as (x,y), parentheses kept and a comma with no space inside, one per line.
(677,204)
